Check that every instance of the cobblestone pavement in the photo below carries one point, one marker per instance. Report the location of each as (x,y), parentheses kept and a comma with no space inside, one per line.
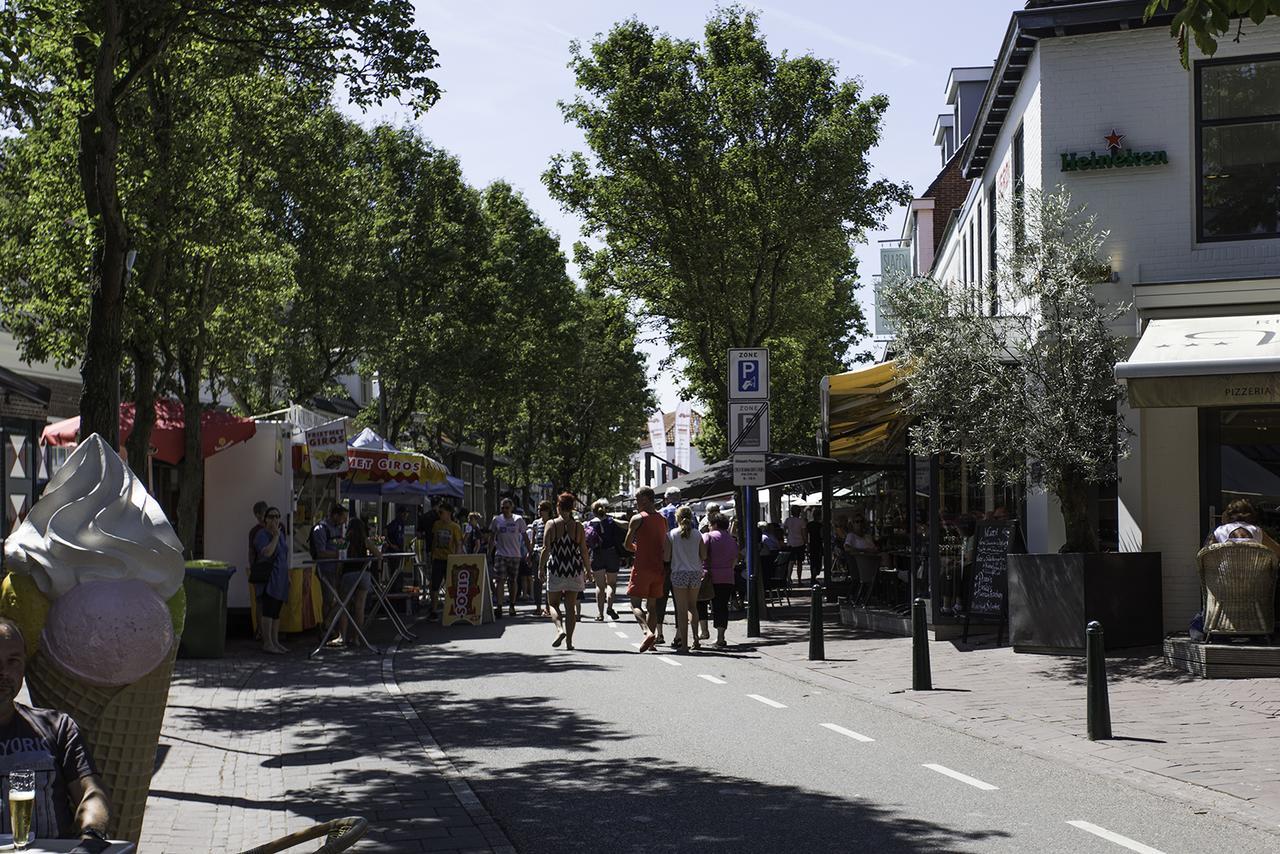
(255,747)
(1172,731)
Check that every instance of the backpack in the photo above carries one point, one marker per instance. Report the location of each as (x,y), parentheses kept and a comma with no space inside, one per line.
(594,537)
(311,541)
(610,533)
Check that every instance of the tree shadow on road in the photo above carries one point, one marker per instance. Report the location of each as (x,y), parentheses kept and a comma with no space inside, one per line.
(574,800)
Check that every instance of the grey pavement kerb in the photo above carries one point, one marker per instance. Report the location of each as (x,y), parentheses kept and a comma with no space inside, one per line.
(493,833)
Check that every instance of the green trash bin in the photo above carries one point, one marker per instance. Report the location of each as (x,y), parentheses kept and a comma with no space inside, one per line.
(205,634)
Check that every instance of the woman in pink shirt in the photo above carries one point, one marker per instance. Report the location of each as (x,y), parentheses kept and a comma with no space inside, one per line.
(722,556)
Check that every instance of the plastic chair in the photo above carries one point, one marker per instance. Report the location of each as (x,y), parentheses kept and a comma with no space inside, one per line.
(341,834)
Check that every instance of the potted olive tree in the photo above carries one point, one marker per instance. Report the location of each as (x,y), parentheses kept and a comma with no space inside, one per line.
(1015,376)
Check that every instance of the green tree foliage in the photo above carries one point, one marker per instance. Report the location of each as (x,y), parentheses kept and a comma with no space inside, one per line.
(1029,394)
(1204,21)
(89,58)
(594,397)
(426,248)
(726,184)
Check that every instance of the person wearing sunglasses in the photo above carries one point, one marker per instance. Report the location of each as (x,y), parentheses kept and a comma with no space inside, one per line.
(272,545)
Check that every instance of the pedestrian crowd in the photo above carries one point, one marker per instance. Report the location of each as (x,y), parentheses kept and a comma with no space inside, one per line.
(550,564)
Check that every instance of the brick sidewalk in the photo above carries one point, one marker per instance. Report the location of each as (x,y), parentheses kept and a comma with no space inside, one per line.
(1222,736)
(255,747)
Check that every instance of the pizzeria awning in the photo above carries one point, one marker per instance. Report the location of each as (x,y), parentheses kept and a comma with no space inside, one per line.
(1205,361)
(860,410)
(219,430)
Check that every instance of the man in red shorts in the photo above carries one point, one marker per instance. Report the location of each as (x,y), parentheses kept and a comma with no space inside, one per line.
(647,540)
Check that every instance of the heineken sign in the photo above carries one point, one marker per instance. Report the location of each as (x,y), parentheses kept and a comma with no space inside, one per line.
(1115,158)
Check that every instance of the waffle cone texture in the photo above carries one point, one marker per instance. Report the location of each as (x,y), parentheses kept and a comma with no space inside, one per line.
(121,727)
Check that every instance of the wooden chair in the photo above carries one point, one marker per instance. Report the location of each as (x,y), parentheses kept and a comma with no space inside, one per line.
(1239,580)
(339,834)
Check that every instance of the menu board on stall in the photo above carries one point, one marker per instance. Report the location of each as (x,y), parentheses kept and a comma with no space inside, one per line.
(467,598)
(327,447)
(989,584)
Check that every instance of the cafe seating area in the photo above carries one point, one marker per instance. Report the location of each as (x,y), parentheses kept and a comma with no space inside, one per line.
(1240,612)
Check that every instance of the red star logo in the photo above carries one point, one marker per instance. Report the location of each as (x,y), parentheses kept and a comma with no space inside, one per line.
(1113,140)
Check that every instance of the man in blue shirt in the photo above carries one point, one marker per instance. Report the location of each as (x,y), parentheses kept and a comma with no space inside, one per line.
(669,509)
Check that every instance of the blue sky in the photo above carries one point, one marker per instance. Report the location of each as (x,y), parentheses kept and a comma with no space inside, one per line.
(503,68)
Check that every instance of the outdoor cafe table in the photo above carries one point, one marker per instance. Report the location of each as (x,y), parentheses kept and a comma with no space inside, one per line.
(380,588)
(60,846)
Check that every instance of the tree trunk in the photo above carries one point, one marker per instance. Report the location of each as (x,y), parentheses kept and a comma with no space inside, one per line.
(490,480)
(99,147)
(144,410)
(1073,497)
(191,469)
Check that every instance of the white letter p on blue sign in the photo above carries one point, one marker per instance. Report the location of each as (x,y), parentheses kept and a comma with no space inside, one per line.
(748,375)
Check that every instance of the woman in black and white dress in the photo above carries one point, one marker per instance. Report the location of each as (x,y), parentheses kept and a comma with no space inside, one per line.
(563,568)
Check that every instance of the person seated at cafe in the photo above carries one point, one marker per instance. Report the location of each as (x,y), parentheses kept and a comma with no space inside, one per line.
(857,540)
(769,545)
(1239,522)
(70,801)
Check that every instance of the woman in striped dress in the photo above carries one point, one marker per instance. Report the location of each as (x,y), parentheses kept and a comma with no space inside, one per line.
(563,568)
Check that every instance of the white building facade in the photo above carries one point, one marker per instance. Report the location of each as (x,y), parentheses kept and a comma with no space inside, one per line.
(1182,168)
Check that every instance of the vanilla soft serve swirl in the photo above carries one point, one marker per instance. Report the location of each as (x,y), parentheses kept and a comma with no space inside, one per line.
(96,522)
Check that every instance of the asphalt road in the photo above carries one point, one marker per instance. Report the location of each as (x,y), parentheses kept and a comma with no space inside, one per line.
(604,748)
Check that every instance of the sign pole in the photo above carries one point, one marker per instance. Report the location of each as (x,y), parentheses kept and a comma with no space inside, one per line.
(749,531)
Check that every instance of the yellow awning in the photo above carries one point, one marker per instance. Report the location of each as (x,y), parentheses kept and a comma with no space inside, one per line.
(859,409)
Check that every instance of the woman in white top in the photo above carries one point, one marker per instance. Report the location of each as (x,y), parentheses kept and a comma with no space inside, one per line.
(688,551)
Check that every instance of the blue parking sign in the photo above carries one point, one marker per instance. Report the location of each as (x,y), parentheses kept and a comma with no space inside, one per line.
(748,374)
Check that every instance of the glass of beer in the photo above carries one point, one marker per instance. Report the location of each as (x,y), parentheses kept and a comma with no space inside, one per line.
(22,802)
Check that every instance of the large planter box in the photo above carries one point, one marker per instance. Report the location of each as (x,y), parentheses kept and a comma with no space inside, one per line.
(1053,597)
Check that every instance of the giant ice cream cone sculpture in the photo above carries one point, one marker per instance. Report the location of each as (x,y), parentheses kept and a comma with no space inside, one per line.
(95,583)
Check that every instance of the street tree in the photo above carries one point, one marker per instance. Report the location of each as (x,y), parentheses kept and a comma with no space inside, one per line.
(1205,21)
(725,185)
(319,203)
(94,55)
(427,246)
(1028,396)
(594,397)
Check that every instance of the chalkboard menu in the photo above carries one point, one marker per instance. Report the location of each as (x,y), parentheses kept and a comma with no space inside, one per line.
(989,586)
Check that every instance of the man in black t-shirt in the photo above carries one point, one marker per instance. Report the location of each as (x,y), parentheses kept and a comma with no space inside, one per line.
(70,801)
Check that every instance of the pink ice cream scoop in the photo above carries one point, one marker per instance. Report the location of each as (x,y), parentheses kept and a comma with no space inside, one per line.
(108,633)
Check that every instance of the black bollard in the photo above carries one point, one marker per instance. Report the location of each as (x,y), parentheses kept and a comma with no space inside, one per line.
(817,649)
(921,678)
(1099,706)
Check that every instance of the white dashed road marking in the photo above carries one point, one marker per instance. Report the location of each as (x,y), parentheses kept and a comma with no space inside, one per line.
(713,680)
(636,645)
(963,778)
(774,703)
(621,634)
(1122,841)
(856,736)
(665,660)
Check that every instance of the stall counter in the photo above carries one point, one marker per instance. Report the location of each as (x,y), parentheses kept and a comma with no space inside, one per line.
(304,610)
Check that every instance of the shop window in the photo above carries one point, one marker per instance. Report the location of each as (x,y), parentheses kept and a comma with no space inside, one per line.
(1238,148)
(1246,464)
